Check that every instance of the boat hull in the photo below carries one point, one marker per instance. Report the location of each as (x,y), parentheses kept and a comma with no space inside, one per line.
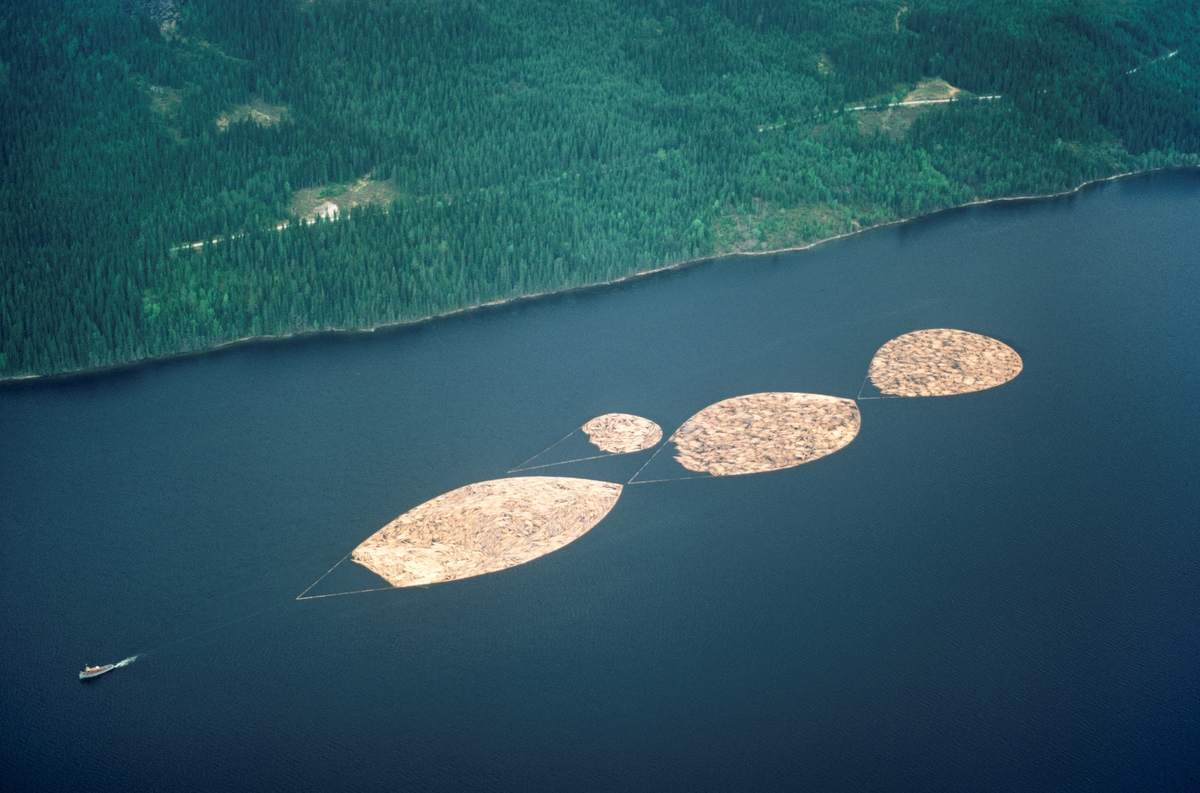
(89,675)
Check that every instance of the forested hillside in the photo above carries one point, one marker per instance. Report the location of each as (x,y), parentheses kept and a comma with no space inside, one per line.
(482,149)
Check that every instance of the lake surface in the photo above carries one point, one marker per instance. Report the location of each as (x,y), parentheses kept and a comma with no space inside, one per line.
(993,591)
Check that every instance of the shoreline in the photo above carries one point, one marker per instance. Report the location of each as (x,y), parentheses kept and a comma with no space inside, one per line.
(267,339)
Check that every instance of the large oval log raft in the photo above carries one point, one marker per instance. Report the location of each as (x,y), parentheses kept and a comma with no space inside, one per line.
(485,527)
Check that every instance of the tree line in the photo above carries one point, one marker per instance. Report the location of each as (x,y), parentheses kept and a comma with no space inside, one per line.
(530,146)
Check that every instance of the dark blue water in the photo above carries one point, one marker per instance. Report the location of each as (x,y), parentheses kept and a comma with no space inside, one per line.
(995,591)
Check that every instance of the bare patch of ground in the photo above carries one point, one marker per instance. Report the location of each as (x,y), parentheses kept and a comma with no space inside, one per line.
(932,89)
(257,110)
(765,432)
(345,197)
(622,433)
(941,362)
(485,527)
(896,117)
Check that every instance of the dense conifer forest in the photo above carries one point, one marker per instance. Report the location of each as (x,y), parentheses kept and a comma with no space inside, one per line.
(162,163)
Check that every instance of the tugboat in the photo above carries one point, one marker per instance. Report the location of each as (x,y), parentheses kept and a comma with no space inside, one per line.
(95,671)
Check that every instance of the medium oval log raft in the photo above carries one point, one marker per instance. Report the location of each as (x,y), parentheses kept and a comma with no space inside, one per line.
(765,432)
(622,433)
(485,527)
(941,362)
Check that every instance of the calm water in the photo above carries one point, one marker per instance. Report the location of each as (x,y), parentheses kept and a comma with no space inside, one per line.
(995,591)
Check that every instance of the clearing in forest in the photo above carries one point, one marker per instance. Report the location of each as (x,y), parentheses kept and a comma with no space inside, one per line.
(257,110)
(928,90)
(165,103)
(305,203)
(767,227)
(898,116)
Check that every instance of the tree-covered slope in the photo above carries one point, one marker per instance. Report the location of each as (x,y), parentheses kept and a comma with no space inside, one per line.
(507,147)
